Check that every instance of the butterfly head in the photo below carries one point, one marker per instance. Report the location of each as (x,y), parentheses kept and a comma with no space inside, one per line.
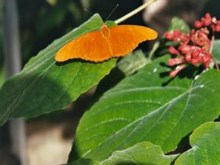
(105,31)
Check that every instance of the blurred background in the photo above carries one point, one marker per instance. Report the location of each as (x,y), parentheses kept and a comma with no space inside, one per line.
(47,139)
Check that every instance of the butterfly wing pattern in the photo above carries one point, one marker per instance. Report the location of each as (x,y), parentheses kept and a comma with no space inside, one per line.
(103,44)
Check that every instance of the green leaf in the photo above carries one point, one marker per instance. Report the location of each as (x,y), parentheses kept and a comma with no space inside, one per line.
(44,85)
(205,143)
(216,50)
(141,108)
(141,153)
(133,62)
(179,24)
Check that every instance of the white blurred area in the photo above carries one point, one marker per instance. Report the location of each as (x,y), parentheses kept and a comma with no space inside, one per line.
(46,144)
(159,14)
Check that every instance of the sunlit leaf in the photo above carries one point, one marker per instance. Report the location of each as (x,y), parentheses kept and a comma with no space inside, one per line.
(147,106)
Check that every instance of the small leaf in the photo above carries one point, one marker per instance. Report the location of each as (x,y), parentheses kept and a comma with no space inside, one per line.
(44,85)
(179,24)
(141,153)
(133,62)
(205,143)
(142,107)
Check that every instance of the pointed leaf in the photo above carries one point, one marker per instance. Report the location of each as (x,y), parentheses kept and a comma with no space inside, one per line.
(205,143)
(44,85)
(141,108)
(141,153)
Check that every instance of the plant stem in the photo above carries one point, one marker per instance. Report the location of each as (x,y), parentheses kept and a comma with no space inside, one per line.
(212,44)
(142,7)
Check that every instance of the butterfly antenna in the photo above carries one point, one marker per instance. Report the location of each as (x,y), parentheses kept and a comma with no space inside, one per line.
(113,10)
(140,8)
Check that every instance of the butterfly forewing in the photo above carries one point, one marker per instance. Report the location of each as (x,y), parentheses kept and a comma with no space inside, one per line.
(125,38)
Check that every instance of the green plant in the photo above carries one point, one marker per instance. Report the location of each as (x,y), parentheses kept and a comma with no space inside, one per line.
(143,116)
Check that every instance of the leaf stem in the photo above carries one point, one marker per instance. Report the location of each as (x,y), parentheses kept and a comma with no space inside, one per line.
(142,7)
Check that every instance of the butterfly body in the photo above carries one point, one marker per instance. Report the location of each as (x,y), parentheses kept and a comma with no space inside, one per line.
(106,43)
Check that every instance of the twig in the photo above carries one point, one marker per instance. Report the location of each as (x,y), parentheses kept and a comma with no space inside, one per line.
(142,7)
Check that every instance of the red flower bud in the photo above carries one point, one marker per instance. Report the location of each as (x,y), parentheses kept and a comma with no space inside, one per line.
(177,70)
(217,28)
(168,35)
(195,54)
(207,20)
(175,61)
(188,57)
(184,38)
(173,50)
(198,24)
(184,48)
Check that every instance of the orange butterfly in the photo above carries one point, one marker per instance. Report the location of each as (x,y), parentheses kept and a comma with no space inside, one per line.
(106,43)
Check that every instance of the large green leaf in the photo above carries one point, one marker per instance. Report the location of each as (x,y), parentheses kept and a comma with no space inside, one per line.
(44,85)
(141,153)
(142,108)
(205,143)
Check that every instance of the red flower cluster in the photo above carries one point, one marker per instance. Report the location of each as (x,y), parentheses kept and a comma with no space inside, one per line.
(194,48)
(208,21)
